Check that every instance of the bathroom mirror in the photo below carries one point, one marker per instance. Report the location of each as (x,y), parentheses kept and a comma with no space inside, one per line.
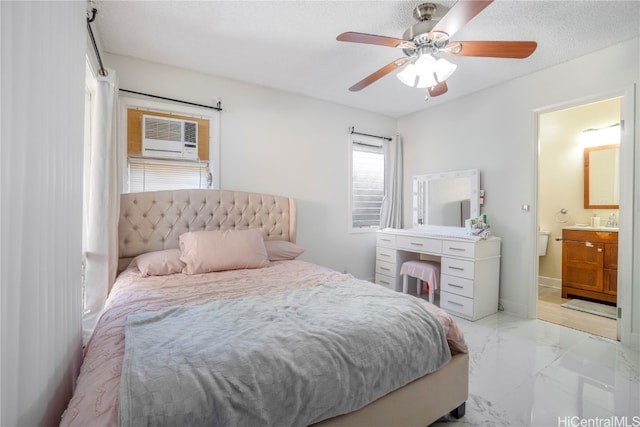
(446,199)
(602,177)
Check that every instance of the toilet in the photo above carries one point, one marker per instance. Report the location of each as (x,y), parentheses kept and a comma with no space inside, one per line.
(543,240)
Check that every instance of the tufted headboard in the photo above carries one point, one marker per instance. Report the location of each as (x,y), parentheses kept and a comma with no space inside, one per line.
(154,221)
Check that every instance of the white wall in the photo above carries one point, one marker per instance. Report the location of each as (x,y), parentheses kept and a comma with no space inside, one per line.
(279,143)
(494,130)
(42,69)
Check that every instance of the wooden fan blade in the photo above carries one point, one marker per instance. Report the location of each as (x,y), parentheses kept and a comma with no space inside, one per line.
(439,89)
(378,74)
(374,39)
(493,49)
(459,14)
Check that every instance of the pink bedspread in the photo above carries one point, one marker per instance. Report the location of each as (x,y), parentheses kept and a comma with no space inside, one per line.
(95,402)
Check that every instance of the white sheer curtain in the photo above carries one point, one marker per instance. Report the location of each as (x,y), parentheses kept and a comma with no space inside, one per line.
(392,203)
(102,202)
(42,51)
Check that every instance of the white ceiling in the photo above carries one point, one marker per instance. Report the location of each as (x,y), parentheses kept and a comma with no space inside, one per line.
(291,45)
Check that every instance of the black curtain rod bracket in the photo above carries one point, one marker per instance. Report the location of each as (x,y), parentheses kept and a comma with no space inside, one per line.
(218,105)
(93,12)
(353,131)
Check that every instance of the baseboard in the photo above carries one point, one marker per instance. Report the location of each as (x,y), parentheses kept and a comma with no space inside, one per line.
(550,282)
(514,308)
(634,341)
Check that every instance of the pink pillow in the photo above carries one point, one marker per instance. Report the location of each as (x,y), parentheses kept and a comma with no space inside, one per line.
(281,250)
(159,263)
(205,251)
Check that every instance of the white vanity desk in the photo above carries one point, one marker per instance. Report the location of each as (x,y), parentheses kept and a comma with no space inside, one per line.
(469,269)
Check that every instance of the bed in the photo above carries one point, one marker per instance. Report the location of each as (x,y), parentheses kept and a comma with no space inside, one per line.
(174,312)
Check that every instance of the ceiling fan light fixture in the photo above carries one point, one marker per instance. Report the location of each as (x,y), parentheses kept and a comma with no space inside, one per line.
(427,80)
(444,69)
(426,71)
(425,64)
(408,75)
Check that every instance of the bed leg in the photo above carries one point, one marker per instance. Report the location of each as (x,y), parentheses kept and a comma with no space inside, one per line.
(459,411)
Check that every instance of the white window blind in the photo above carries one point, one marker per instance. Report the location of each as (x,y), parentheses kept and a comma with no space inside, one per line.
(367,184)
(156,174)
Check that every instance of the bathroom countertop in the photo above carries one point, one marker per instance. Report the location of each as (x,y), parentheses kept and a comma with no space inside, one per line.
(589,228)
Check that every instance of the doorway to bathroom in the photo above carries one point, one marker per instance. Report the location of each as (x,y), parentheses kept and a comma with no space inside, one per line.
(587,299)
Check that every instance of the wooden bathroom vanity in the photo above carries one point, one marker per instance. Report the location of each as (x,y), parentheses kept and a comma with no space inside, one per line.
(590,263)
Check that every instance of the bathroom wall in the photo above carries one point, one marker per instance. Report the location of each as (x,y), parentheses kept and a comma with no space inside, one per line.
(561,178)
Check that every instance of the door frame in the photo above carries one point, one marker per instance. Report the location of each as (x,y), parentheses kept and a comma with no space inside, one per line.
(626,224)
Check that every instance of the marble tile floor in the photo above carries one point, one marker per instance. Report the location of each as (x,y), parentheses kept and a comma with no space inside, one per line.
(535,373)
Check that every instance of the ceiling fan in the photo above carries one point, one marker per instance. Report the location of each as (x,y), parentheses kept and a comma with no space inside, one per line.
(424,42)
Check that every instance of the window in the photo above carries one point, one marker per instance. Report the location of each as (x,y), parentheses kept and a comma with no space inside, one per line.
(367,182)
(156,173)
(146,174)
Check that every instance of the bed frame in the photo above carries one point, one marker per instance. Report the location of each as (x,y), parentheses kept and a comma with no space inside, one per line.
(154,221)
(418,403)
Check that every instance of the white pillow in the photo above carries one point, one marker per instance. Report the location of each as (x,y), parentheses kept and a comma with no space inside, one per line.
(282,250)
(205,251)
(159,263)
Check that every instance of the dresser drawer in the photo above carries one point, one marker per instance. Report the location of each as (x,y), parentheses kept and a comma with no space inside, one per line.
(385,254)
(386,281)
(456,304)
(457,267)
(386,240)
(456,285)
(590,236)
(386,268)
(419,244)
(462,249)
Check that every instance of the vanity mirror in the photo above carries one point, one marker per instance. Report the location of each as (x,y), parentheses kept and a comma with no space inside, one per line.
(446,199)
(601,177)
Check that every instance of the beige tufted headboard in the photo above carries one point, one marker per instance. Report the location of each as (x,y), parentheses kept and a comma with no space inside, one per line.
(154,221)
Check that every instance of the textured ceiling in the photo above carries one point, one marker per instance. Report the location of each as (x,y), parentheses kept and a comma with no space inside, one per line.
(291,45)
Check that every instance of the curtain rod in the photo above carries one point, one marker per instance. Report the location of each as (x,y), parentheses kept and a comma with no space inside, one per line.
(218,106)
(101,71)
(352,130)
(104,73)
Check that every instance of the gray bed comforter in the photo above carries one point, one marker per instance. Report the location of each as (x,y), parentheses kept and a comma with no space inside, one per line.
(283,359)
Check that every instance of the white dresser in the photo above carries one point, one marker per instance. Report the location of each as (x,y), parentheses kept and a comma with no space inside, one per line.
(469,269)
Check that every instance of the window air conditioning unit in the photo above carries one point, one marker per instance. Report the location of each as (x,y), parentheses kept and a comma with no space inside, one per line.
(169,138)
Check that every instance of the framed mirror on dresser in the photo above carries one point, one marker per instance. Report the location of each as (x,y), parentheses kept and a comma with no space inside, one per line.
(446,199)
